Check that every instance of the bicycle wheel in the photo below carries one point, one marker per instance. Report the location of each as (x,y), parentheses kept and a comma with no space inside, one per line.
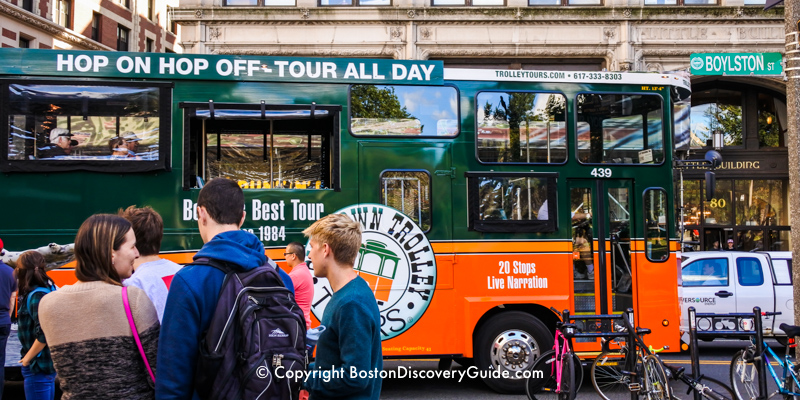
(606,374)
(722,390)
(567,391)
(744,376)
(792,386)
(657,384)
(541,378)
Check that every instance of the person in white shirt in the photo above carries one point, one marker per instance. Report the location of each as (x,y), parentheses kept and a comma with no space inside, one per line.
(151,273)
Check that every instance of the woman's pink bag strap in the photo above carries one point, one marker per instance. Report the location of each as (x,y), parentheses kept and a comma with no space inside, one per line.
(135,332)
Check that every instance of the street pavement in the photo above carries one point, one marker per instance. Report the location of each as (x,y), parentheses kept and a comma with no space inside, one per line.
(715,362)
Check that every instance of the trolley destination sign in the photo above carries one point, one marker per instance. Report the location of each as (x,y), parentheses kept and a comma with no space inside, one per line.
(220,67)
(736,64)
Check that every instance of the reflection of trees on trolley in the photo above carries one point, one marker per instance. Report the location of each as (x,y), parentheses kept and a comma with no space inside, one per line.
(377,265)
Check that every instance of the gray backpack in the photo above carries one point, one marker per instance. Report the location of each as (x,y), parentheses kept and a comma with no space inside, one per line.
(256,338)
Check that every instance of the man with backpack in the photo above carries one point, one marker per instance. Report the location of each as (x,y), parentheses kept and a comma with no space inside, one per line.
(198,358)
(351,342)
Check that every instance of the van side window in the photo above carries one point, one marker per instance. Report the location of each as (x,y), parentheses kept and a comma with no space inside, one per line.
(749,271)
(783,271)
(710,272)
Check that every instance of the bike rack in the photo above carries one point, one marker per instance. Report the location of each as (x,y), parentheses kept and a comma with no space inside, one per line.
(608,335)
(739,319)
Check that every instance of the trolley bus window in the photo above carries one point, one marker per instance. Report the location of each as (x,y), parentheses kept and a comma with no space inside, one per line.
(655,225)
(507,202)
(261,146)
(521,127)
(409,192)
(403,110)
(620,128)
(54,127)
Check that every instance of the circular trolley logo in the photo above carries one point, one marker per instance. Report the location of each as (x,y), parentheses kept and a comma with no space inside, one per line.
(397,262)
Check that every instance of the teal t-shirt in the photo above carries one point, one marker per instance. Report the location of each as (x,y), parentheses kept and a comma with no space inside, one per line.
(350,343)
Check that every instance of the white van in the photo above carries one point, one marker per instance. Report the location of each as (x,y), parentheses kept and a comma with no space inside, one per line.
(725,282)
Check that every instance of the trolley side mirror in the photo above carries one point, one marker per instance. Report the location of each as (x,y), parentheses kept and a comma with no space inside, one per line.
(711,185)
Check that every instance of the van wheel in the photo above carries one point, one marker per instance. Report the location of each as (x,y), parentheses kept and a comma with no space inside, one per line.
(511,342)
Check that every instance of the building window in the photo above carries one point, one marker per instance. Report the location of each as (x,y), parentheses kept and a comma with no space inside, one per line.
(565,2)
(716,110)
(521,127)
(477,3)
(683,2)
(772,128)
(364,3)
(27,5)
(24,43)
(750,213)
(148,46)
(96,18)
(63,13)
(261,3)
(124,3)
(173,27)
(122,38)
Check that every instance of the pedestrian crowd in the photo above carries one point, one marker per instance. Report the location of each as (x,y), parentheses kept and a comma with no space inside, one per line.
(229,325)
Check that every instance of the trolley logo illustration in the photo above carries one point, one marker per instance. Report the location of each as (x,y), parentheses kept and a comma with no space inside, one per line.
(397,262)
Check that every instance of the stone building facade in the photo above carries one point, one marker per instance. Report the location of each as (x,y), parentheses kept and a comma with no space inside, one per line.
(133,25)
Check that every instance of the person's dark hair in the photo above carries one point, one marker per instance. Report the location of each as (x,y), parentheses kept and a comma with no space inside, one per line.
(97,237)
(31,273)
(297,249)
(148,228)
(223,200)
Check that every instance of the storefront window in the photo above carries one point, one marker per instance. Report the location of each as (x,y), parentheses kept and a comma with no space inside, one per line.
(716,109)
(779,240)
(771,121)
(760,202)
(719,211)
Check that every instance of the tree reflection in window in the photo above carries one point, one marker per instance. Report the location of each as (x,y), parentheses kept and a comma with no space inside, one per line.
(521,127)
(403,110)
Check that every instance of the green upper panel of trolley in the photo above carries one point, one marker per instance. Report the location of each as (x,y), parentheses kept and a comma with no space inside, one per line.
(171,66)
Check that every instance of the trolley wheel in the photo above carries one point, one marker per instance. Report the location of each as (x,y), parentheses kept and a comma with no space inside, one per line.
(744,376)
(510,342)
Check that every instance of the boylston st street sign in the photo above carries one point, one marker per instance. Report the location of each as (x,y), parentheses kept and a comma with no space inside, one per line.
(736,63)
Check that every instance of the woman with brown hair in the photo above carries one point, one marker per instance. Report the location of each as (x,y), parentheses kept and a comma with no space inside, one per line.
(97,354)
(37,365)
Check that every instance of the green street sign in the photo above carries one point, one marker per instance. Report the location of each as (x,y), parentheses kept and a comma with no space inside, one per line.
(736,64)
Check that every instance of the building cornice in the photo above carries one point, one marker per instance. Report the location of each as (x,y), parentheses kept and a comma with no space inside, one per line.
(473,15)
(50,27)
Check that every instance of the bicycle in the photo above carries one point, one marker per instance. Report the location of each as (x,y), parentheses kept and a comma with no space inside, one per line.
(706,386)
(745,372)
(557,373)
(631,368)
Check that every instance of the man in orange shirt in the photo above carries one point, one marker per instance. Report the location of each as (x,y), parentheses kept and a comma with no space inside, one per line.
(301,277)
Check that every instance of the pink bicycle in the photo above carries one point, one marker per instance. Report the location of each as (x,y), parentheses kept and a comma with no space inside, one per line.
(557,373)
